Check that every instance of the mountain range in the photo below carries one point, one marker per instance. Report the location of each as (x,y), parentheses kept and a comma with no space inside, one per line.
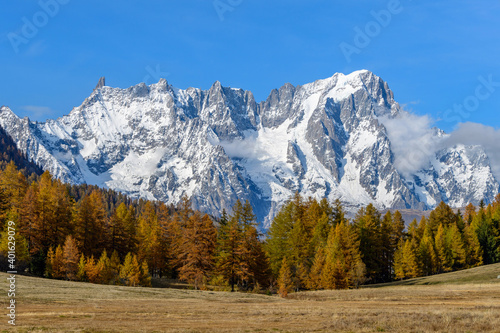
(329,138)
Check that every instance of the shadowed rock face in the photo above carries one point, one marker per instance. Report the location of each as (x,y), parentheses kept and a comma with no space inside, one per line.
(323,139)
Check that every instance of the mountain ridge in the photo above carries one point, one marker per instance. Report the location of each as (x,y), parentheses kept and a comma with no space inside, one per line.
(323,139)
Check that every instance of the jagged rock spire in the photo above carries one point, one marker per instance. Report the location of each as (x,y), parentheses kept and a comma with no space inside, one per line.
(101,83)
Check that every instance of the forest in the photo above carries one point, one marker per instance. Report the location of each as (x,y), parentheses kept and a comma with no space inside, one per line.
(85,233)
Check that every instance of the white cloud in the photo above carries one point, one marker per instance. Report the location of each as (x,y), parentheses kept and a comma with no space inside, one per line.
(413,141)
(478,134)
(243,148)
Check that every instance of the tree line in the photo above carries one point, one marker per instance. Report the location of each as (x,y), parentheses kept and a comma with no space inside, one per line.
(311,245)
(84,233)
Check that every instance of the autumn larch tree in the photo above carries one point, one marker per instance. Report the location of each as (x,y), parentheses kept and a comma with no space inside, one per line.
(406,262)
(278,245)
(81,275)
(120,230)
(368,228)
(90,222)
(316,271)
(58,264)
(13,184)
(285,282)
(71,258)
(227,250)
(197,249)
(149,235)
(130,272)
(343,265)
(426,254)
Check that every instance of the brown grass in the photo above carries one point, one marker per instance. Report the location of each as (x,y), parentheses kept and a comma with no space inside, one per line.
(60,306)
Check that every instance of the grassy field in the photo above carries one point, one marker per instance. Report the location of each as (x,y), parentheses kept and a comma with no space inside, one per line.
(466,301)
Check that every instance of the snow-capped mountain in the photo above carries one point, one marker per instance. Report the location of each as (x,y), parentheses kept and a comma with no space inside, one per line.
(323,139)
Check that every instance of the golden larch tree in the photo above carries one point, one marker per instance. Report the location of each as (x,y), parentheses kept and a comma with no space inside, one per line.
(285,281)
(71,258)
(197,249)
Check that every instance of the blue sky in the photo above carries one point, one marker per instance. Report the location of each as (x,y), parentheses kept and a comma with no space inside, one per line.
(434,55)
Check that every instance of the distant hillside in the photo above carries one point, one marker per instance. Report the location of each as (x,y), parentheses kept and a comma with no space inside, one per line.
(9,152)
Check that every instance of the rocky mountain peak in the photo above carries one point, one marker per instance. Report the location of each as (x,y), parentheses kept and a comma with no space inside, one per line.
(216,87)
(101,83)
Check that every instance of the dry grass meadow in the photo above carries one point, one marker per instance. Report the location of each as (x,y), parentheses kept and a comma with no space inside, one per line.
(467,301)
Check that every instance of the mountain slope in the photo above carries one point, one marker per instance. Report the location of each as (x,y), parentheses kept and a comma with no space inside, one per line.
(323,139)
(10,153)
